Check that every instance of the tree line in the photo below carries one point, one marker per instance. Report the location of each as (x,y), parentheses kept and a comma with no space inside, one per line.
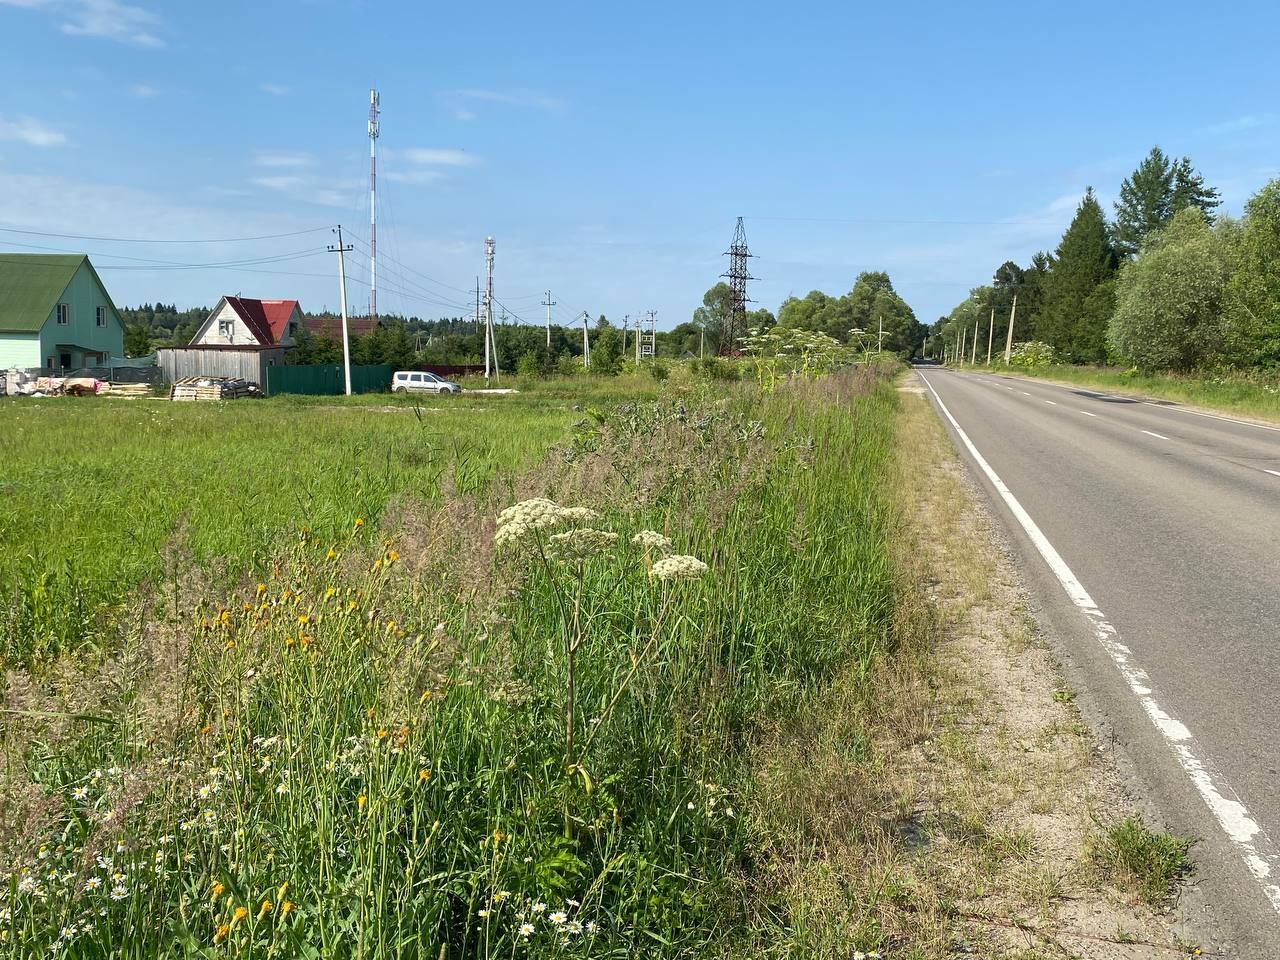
(1167,284)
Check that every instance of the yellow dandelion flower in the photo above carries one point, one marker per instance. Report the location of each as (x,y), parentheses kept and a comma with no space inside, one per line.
(287,594)
(352,605)
(332,554)
(377,565)
(424,775)
(218,890)
(284,888)
(392,556)
(498,836)
(304,618)
(286,908)
(231,645)
(223,930)
(359,522)
(391,626)
(426,695)
(328,594)
(240,914)
(289,641)
(382,733)
(262,588)
(307,640)
(266,908)
(361,801)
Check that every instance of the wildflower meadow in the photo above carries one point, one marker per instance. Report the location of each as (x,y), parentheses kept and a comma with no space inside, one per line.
(473,682)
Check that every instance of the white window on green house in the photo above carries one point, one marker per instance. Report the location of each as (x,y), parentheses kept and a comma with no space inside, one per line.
(100,316)
(64,314)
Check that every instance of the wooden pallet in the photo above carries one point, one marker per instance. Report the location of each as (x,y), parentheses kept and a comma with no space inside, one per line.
(212,388)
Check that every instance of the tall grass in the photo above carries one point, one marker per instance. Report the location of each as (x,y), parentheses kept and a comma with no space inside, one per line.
(391,747)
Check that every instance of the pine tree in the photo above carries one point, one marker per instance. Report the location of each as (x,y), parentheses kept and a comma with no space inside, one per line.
(1078,290)
(1189,190)
(1146,198)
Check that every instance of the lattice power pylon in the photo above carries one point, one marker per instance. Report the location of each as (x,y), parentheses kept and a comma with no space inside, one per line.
(735,321)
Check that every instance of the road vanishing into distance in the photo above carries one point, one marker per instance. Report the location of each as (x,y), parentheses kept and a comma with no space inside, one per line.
(1149,536)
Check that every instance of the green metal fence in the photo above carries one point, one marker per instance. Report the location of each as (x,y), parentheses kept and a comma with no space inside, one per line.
(326,379)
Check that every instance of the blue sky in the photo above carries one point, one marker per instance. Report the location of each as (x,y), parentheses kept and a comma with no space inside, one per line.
(608,148)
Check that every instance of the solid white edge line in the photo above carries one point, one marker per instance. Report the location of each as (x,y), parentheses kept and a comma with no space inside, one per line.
(1240,828)
(1152,433)
(1274,473)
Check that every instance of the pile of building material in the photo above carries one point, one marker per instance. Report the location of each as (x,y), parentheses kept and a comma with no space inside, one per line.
(212,388)
(130,391)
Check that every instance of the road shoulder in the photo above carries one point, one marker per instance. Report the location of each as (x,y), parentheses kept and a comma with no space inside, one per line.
(1013,789)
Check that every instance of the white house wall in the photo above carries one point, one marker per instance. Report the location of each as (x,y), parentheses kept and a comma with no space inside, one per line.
(240,335)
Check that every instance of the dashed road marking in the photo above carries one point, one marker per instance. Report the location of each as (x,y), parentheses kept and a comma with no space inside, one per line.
(1088,414)
(1152,433)
(1233,817)
(1054,402)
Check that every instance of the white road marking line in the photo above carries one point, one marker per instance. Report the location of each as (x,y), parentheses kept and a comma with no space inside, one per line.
(1088,414)
(1211,416)
(1054,402)
(1236,822)
(1274,473)
(1025,394)
(1158,436)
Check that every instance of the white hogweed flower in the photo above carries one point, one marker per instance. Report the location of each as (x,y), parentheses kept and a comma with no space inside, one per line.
(578,515)
(652,541)
(578,545)
(526,517)
(678,568)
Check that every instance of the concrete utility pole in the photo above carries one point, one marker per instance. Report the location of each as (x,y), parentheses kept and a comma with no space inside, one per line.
(991,332)
(477,304)
(974,350)
(586,340)
(961,357)
(639,322)
(626,318)
(549,303)
(341,251)
(1008,343)
(489,345)
(880,336)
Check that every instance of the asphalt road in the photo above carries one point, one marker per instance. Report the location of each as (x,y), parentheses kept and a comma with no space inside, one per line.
(1150,539)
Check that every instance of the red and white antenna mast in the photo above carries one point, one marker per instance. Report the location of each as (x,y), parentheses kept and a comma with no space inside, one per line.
(373,205)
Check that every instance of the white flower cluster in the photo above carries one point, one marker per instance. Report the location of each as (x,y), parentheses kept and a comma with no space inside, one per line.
(518,522)
(574,546)
(678,568)
(578,515)
(652,542)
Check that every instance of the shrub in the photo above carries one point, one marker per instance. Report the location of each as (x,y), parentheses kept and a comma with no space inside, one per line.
(716,368)
(529,367)
(659,370)
(1033,354)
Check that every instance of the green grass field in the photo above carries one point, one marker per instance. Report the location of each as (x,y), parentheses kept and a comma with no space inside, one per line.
(278,685)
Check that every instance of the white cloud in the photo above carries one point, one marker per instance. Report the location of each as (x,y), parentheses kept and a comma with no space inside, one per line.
(435,156)
(109,19)
(29,131)
(1248,121)
(459,113)
(309,189)
(143,91)
(279,158)
(275,89)
(512,98)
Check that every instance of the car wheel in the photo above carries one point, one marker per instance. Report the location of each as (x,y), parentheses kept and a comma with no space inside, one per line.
(397,389)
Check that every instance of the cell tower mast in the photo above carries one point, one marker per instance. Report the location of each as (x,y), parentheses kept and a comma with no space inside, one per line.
(735,321)
(373,205)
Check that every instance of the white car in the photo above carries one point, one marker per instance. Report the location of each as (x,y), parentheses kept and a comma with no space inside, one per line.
(405,381)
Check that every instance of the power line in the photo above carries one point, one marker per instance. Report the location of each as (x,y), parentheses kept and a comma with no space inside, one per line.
(76,236)
(172,264)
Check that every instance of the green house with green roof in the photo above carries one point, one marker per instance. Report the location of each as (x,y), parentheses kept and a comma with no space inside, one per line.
(55,314)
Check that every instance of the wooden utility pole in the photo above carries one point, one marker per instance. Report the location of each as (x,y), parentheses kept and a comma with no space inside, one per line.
(341,251)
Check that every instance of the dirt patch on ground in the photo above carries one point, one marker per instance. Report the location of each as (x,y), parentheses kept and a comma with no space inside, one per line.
(1011,785)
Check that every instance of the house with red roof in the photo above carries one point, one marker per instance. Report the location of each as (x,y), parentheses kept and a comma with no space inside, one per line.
(248,324)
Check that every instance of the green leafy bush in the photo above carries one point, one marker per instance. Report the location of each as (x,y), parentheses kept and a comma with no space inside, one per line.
(1033,354)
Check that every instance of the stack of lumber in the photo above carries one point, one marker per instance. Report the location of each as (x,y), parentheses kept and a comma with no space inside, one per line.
(212,388)
(128,390)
